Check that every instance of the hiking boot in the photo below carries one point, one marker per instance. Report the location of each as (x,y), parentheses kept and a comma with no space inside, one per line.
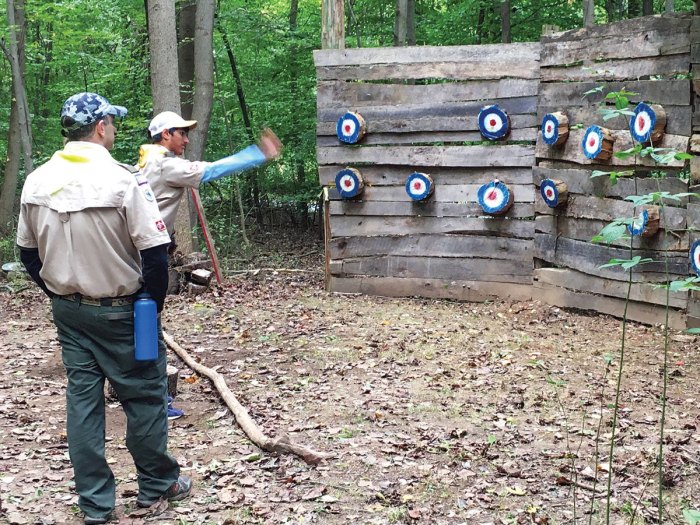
(173,413)
(89,520)
(177,491)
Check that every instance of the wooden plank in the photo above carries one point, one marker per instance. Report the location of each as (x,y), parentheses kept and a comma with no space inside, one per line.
(451,193)
(208,240)
(356,95)
(580,181)
(423,209)
(588,258)
(612,70)
(461,122)
(693,219)
(468,56)
(381,175)
(462,156)
(646,43)
(389,225)
(586,229)
(571,150)
(640,312)
(462,246)
(581,282)
(570,94)
(598,208)
(421,138)
(458,290)
(502,271)
(679,118)
(430,109)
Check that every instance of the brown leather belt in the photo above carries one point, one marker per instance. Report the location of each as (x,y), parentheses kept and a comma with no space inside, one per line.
(105,301)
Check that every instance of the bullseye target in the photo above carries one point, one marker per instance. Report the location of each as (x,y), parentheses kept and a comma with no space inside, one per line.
(639,223)
(555,128)
(350,128)
(419,186)
(592,142)
(695,257)
(644,123)
(550,191)
(495,197)
(494,123)
(349,183)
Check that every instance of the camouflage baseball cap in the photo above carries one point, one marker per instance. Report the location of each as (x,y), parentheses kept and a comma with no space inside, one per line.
(85,108)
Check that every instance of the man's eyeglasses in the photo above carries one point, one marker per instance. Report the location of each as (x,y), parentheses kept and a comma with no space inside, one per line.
(183,132)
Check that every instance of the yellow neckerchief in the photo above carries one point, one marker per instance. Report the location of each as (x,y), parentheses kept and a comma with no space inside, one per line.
(150,151)
(77,152)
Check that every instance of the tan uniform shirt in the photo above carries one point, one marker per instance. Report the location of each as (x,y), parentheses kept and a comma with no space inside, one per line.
(169,176)
(89,217)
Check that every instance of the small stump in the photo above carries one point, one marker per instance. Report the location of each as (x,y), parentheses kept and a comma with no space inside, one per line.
(554,192)
(349,183)
(648,123)
(495,198)
(350,128)
(646,224)
(598,143)
(419,186)
(494,123)
(555,129)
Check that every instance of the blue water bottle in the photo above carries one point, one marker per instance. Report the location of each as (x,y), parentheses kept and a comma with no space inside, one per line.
(145,328)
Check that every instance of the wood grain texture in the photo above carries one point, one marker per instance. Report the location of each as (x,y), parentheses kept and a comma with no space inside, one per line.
(383,175)
(464,193)
(614,70)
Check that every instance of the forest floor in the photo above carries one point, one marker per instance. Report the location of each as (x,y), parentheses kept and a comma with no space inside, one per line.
(431,412)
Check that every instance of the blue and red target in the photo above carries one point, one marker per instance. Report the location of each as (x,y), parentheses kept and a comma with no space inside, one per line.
(695,257)
(350,128)
(349,183)
(495,198)
(555,128)
(597,143)
(554,192)
(647,123)
(646,223)
(494,123)
(419,186)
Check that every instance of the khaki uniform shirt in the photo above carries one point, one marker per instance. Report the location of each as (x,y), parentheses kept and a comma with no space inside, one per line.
(89,217)
(169,176)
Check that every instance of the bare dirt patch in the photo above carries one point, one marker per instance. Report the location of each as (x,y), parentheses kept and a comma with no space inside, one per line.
(434,412)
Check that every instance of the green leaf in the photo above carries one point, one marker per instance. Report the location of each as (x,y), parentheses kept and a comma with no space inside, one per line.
(622,102)
(683,156)
(692,516)
(627,264)
(598,173)
(598,89)
(631,152)
(612,232)
(641,200)
(693,331)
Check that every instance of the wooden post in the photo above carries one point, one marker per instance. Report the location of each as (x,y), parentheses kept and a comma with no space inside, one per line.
(194,194)
(332,24)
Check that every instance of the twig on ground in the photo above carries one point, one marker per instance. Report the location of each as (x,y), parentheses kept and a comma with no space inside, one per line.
(278,445)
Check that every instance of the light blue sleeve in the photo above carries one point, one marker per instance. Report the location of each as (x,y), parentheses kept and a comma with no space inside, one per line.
(251,157)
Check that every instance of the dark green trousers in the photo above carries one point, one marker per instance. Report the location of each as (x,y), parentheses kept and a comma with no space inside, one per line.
(98,343)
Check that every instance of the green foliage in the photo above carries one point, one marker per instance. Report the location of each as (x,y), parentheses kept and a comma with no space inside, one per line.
(691,516)
(627,264)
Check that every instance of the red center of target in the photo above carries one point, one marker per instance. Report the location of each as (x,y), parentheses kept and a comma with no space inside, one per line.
(641,122)
(492,122)
(549,193)
(416,185)
(347,128)
(492,195)
(347,183)
(591,142)
(549,128)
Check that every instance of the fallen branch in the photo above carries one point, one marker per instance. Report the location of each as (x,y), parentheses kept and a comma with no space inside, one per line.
(279,445)
(278,270)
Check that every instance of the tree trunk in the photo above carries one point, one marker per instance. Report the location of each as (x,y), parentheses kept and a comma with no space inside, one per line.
(405,23)
(505,22)
(9,185)
(332,24)
(185,56)
(588,13)
(647,7)
(669,6)
(15,20)
(480,24)
(634,8)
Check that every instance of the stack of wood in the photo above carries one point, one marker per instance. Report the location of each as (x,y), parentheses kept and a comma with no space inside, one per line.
(189,273)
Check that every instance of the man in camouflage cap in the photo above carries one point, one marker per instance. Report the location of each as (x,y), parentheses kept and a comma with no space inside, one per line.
(91,236)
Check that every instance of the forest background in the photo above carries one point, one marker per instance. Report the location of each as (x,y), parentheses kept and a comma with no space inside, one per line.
(77,45)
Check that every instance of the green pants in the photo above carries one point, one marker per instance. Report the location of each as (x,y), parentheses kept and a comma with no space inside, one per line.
(98,343)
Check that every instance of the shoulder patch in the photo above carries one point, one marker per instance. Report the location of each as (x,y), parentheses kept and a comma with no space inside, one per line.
(141,179)
(127,167)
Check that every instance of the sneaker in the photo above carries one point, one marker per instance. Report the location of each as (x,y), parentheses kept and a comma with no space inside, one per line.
(173,413)
(89,520)
(177,491)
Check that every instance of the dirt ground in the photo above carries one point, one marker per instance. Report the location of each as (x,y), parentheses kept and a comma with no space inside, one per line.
(431,412)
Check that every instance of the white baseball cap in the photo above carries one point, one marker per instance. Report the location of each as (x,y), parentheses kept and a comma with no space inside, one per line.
(169,120)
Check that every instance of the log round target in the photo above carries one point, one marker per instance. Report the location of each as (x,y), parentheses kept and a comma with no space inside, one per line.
(494,123)
(419,186)
(597,143)
(554,192)
(555,128)
(695,257)
(646,223)
(495,198)
(647,123)
(349,183)
(350,128)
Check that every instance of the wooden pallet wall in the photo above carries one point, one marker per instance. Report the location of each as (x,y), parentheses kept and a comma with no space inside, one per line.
(652,57)
(421,106)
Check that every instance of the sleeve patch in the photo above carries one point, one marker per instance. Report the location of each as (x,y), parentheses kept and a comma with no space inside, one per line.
(160,225)
(141,180)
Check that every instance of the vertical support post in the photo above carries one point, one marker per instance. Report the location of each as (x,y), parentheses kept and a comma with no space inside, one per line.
(333,24)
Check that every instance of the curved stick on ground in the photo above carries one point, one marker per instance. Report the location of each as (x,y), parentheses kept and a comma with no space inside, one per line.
(278,445)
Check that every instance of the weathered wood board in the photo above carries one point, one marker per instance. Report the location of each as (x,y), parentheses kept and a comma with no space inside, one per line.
(384,175)
(363,210)
(465,193)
